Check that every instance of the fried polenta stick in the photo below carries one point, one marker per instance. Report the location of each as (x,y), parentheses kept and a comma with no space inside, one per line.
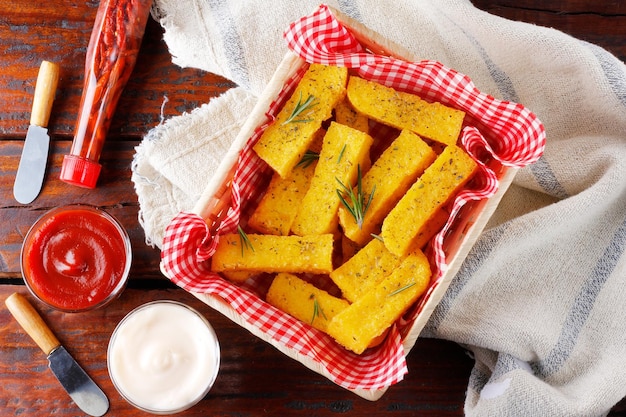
(371,315)
(239,276)
(346,115)
(390,177)
(304,301)
(405,111)
(368,267)
(343,151)
(269,253)
(280,203)
(285,141)
(421,204)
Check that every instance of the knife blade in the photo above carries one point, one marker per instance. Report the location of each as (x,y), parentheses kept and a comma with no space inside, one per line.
(32,167)
(81,388)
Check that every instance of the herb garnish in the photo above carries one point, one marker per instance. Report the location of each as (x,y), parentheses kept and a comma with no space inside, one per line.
(308,158)
(244,240)
(399,290)
(343,150)
(377,237)
(317,310)
(357,204)
(300,107)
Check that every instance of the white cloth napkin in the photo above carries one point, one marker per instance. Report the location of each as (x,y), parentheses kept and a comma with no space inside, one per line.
(540,299)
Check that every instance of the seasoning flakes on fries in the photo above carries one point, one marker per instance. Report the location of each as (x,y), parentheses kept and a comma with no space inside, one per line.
(371,314)
(304,301)
(390,177)
(337,207)
(344,150)
(405,111)
(269,253)
(283,144)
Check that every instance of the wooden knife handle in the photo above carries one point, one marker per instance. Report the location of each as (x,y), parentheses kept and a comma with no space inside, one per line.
(31,322)
(45,89)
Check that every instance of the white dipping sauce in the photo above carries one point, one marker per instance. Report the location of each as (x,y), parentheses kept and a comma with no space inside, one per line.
(163,357)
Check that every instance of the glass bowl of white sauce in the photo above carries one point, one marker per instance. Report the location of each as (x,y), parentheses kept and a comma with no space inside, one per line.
(163,357)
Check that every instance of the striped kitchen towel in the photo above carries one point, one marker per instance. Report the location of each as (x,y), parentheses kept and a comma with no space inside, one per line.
(539,301)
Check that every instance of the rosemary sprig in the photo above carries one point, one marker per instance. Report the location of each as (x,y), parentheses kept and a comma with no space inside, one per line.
(244,240)
(317,310)
(355,203)
(308,158)
(301,107)
(399,290)
(343,150)
(377,237)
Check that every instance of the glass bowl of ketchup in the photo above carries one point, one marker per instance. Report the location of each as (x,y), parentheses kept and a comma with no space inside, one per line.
(76,258)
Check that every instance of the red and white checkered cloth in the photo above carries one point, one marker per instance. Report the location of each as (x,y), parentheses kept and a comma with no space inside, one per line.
(494,129)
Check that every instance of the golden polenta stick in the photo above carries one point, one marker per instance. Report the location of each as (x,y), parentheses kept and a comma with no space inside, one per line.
(431,228)
(405,111)
(368,317)
(346,115)
(304,301)
(368,267)
(239,276)
(343,151)
(275,212)
(420,205)
(285,141)
(390,177)
(269,253)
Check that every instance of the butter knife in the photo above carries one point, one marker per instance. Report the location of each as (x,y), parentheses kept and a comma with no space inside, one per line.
(81,388)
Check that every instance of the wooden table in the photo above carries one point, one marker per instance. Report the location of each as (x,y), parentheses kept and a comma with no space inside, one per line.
(254,377)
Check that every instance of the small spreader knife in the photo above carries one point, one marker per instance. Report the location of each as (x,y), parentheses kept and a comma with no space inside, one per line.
(32,168)
(76,382)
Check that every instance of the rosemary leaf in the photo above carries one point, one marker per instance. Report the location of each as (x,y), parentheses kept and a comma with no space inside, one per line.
(399,290)
(307,159)
(377,237)
(300,108)
(355,203)
(244,240)
(340,157)
(317,310)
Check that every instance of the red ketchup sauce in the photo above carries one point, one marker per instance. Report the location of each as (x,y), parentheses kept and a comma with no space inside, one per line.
(76,258)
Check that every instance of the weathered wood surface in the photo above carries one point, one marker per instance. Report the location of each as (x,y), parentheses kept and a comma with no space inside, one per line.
(254,377)
(114,193)
(58,31)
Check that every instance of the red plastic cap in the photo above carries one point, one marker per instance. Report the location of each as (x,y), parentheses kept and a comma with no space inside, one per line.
(80,171)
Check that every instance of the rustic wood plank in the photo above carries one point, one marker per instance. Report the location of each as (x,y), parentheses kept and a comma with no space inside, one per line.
(254,377)
(114,193)
(571,7)
(59,31)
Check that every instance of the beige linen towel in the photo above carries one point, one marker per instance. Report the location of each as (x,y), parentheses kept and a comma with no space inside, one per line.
(540,300)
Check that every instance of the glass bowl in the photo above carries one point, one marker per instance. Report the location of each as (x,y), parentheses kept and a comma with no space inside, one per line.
(76,258)
(163,357)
